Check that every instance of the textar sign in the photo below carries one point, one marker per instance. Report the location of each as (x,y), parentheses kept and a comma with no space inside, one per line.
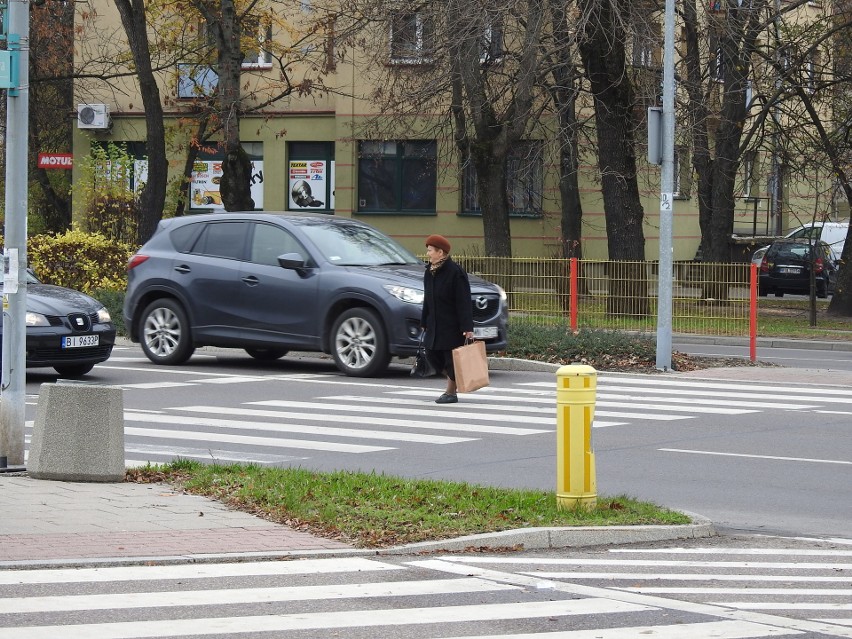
(55,161)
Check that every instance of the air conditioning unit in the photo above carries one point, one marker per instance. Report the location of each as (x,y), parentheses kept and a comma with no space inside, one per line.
(93,116)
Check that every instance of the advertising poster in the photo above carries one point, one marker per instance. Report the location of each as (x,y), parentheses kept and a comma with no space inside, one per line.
(308,184)
(206,177)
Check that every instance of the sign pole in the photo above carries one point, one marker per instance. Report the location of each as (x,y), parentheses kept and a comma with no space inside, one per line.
(12,383)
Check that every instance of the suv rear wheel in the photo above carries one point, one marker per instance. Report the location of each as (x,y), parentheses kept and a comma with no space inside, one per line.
(359,345)
(164,332)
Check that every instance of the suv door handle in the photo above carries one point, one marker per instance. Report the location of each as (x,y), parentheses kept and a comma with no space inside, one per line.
(183,268)
(251,280)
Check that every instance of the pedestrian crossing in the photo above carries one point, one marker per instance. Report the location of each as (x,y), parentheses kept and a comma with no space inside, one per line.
(448,597)
(281,431)
(801,589)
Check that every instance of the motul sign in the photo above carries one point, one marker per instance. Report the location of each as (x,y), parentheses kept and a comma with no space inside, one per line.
(55,160)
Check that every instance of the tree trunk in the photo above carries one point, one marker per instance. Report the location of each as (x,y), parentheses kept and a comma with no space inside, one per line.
(152,199)
(235,187)
(602,48)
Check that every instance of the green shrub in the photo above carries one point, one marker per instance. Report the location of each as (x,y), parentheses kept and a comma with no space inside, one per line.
(114,301)
(83,261)
(558,344)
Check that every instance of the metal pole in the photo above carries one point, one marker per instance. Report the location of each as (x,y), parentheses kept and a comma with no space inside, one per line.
(664,286)
(12,386)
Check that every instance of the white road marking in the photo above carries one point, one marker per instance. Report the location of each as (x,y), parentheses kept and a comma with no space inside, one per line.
(771,457)
(324,620)
(252,441)
(194,571)
(231,596)
(284,426)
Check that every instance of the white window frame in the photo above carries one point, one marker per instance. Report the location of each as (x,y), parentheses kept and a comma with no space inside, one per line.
(422,49)
(492,49)
(263,60)
(748,173)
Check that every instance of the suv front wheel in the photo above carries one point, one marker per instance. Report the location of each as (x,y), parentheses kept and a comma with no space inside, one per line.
(164,332)
(358,343)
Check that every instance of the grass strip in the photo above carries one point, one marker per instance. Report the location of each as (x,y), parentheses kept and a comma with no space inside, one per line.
(371,510)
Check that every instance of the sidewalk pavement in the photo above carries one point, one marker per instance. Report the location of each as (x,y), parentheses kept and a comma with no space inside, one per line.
(45,523)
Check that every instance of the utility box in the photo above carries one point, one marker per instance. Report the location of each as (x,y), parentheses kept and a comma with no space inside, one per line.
(78,433)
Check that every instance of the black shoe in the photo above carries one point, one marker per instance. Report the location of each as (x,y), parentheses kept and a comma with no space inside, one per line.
(446,398)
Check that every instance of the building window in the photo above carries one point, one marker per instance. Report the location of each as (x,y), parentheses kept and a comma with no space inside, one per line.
(412,37)
(717,61)
(748,173)
(397,176)
(524,182)
(646,40)
(257,56)
(491,49)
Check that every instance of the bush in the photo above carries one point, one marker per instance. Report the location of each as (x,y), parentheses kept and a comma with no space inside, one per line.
(82,261)
(558,344)
(114,301)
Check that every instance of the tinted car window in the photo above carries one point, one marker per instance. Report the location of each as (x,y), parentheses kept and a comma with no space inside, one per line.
(354,245)
(795,251)
(223,239)
(183,237)
(270,241)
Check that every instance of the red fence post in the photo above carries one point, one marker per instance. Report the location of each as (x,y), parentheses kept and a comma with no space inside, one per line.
(573,293)
(752,315)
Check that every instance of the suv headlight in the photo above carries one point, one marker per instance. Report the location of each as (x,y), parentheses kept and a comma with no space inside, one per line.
(36,319)
(502,293)
(103,316)
(405,294)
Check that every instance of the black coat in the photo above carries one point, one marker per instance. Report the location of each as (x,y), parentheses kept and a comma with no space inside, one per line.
(447,309)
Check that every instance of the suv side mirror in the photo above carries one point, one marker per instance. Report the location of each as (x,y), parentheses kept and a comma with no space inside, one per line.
(291,261)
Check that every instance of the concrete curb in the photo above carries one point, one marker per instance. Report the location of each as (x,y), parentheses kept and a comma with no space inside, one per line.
(517,540)
(564,537)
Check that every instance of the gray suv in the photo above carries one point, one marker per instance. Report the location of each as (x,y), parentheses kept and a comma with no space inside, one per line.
(270,283)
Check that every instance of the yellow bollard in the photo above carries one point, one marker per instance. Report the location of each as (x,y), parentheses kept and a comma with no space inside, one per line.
(576,388)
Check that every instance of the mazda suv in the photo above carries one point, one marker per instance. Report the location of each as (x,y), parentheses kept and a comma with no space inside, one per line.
(270,283)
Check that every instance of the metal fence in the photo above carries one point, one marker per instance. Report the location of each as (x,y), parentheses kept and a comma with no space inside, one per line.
(711,299)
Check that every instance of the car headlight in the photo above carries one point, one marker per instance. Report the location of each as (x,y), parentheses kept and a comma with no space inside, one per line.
(405,294)
(36,319)
(103,316)
(502,293)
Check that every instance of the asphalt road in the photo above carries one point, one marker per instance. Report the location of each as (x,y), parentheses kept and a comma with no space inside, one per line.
(751,454)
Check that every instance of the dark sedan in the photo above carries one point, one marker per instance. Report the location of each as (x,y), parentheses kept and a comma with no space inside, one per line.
(786,268)
(66,330)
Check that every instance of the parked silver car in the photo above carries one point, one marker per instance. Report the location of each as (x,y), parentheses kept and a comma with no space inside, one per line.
(270,283)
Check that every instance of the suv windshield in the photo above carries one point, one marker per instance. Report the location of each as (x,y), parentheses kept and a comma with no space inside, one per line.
(355,245)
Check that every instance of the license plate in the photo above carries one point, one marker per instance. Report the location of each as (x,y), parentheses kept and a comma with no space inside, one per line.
(485,332)
(789,270)
(80,341)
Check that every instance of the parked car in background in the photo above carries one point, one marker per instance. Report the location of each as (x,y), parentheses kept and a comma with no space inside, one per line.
(786,268)
(270,283)
(832,233)
(65,329)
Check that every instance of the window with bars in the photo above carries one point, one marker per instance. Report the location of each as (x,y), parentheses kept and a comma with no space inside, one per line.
(524,182)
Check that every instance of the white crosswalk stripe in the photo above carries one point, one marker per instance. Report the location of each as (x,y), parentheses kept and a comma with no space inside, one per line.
(276,431)
(336,597)
(806,585)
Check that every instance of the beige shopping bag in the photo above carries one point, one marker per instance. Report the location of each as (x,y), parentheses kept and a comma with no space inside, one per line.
(471,367)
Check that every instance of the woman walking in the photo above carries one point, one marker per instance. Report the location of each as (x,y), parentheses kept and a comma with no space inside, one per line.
(447,313)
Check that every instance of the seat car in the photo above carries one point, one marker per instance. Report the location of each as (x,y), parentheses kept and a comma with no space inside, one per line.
(786,268)
(270,283)
(66,330)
